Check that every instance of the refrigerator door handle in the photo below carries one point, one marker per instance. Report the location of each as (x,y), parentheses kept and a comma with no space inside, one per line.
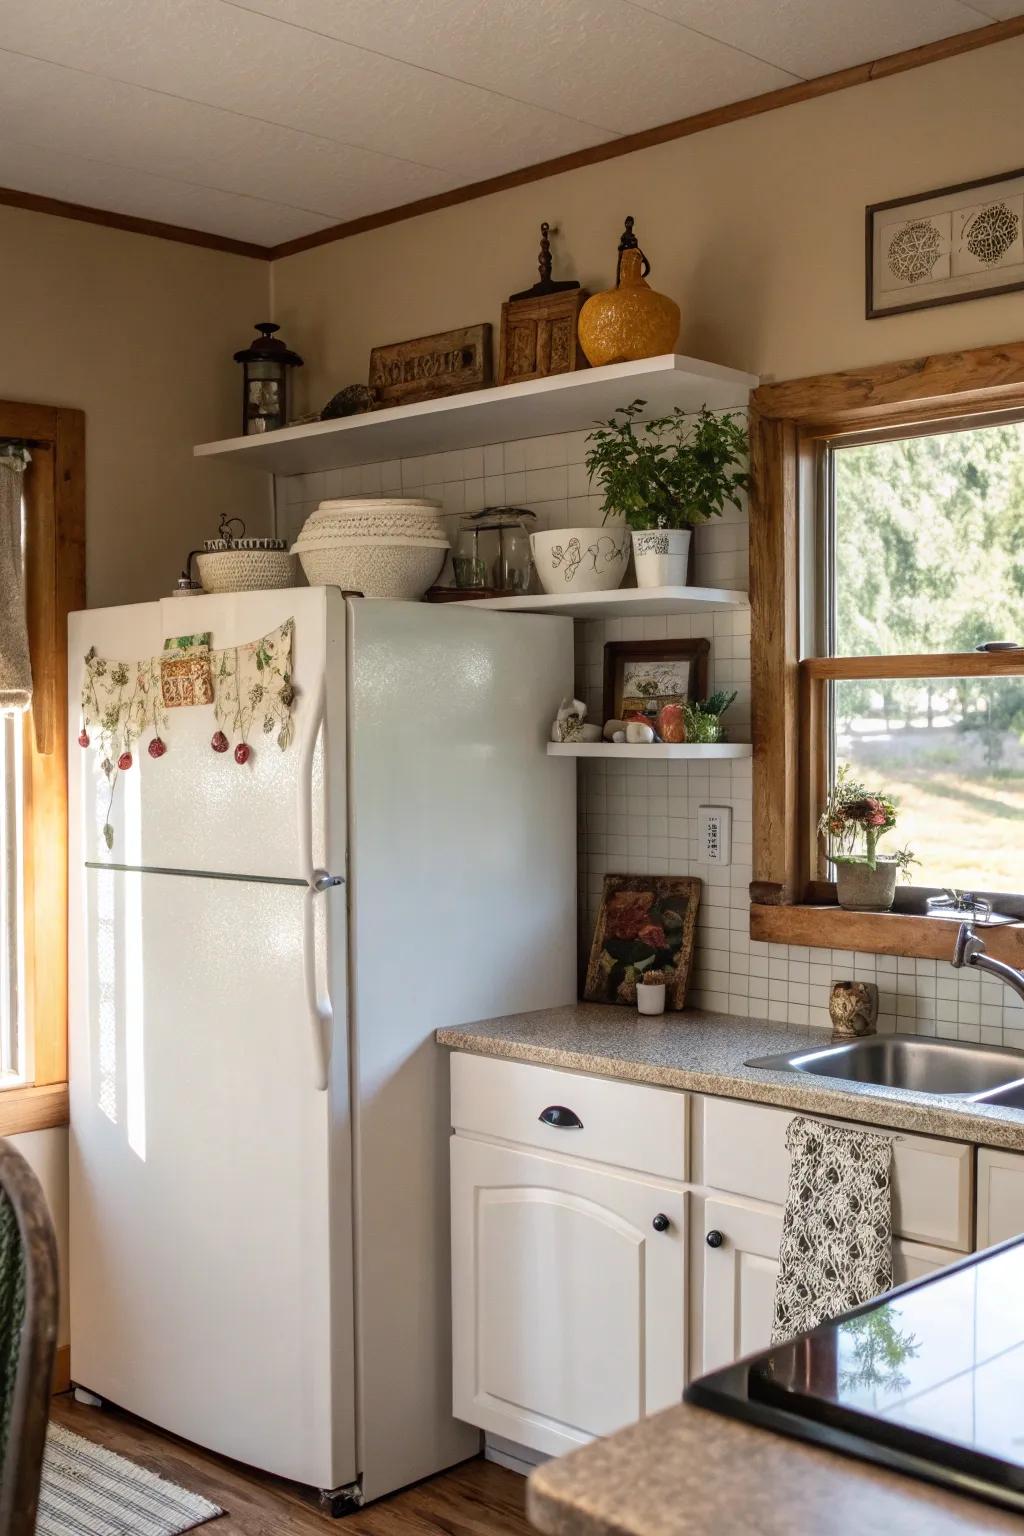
(319,1010)
(321,1013)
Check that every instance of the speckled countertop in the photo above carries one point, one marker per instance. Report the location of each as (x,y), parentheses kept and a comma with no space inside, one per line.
(707,1052)
(687,1471)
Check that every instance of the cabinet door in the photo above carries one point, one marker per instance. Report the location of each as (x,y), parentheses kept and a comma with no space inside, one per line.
(740,1272)
(740,1275)
(912,1261)
(1000,1196)
(568,1302)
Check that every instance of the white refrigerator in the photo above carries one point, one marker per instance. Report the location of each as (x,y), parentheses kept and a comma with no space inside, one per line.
(259,1113)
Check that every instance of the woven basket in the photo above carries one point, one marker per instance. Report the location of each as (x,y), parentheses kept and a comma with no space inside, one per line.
(245,570)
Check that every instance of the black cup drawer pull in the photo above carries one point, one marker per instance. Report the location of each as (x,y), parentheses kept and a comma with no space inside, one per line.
(561,1118)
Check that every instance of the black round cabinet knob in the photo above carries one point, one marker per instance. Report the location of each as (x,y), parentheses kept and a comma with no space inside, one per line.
(661,1222)
(714,1238)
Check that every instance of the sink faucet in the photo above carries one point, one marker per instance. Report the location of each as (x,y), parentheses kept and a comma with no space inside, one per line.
(970,950)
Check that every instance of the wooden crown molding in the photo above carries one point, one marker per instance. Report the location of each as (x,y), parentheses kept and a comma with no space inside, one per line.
(627,144)
(10,197)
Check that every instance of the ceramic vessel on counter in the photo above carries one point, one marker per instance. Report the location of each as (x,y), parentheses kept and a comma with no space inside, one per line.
(581,559)
(853,1009)
(631,320)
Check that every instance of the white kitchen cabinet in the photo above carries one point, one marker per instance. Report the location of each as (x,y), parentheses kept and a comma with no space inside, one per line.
(741,1148)
(740,1267)
(568,1295)
(1000,1196)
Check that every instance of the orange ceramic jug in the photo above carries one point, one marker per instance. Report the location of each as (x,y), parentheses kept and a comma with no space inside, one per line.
(628,321)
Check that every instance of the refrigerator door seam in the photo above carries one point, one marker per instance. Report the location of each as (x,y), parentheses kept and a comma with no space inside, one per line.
(196,874)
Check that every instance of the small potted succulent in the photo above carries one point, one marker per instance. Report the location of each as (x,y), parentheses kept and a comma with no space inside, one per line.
(663,477)
(650,991)
(851,824)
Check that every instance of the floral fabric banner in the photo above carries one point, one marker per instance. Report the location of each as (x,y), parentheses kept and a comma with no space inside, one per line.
(249,686)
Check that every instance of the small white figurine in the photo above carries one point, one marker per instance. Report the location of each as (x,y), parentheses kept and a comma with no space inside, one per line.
(568,724)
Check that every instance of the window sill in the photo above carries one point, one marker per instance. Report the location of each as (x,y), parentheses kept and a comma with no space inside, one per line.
(33,1109)
(877,933)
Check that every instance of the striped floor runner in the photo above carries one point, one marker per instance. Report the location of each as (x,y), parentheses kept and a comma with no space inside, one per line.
(89,1491)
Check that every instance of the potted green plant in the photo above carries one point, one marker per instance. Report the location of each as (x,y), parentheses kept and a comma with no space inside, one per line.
(663,477)
(851,824)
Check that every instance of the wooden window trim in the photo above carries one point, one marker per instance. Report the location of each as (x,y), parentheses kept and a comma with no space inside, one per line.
(787,422)
(54,587)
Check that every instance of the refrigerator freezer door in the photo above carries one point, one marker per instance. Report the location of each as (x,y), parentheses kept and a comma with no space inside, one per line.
(195,808)
(463,871)
(211,1265)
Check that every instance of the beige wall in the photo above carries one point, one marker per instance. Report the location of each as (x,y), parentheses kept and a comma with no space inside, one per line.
(756,228)
(139,334)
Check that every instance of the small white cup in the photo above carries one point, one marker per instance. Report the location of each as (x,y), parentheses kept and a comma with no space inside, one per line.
(650,997)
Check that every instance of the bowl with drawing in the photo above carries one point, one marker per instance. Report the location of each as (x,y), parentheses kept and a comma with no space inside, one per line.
(581,559)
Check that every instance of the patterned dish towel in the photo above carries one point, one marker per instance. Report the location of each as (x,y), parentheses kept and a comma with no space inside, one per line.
(836,1249)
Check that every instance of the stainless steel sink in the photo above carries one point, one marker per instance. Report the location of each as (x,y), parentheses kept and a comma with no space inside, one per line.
(922,1066)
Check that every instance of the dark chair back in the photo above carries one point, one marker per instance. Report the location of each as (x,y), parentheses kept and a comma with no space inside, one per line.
(28,1336)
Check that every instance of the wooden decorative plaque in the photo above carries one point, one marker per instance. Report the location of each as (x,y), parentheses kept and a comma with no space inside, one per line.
(538,336)
(447,364)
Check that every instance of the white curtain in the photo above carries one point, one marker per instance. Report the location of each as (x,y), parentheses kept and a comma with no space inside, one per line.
(15,669)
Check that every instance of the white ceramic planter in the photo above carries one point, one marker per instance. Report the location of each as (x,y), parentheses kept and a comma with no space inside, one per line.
(650,997)
(581,559)
(661,556)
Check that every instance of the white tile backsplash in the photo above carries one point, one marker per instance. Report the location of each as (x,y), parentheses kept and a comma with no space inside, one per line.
(641,818)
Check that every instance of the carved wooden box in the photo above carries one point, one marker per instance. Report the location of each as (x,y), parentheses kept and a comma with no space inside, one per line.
(538,336)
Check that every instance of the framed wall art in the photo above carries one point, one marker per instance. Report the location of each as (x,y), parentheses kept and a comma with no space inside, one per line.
(645,930)
(942,247)
(643,675)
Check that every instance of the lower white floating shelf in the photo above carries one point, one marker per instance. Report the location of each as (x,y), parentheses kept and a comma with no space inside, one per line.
(717,749)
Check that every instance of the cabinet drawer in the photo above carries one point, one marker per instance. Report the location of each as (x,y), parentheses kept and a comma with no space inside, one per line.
(629,1124)
(742,1148)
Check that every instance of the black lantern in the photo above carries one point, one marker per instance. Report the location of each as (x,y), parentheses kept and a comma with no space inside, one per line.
(265,390)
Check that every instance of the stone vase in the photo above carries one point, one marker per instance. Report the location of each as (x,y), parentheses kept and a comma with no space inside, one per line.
(853,1009)
(860,888)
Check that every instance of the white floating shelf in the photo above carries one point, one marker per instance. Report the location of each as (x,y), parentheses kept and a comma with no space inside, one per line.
(623,603)
(567,402)
(686,749)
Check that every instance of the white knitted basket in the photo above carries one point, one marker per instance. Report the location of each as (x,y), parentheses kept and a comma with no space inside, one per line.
(245,570)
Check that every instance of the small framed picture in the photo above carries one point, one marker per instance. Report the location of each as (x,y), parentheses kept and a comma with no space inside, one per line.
(645,928)
(642,675)
(942,247)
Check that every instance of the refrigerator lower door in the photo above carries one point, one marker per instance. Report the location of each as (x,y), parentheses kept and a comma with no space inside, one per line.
(211,1269)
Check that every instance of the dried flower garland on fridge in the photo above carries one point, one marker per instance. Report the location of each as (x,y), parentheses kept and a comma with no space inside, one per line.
(250,687)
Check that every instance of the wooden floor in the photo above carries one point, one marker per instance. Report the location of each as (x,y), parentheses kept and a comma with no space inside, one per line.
(474,1499)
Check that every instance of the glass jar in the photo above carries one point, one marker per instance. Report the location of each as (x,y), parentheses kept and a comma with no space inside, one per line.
(492,552)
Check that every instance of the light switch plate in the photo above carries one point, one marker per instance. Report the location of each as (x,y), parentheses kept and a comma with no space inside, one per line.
(714,833)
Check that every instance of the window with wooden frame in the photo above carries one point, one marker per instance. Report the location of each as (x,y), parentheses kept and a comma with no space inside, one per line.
(33,774)
(864,637)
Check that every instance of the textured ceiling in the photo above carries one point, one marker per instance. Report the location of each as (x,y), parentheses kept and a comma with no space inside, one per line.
(266,120)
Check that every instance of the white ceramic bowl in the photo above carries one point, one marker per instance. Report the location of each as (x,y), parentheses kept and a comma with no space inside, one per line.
(581,559)
(245,570)
(388,568)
